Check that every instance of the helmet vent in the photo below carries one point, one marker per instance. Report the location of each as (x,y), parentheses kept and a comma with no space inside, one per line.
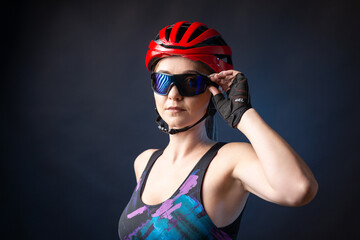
(180,34)
(197,33)
(225,58)
(214,41)
(167,34)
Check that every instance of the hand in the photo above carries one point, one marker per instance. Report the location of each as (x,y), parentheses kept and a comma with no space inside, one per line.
(235,85)
(223,79)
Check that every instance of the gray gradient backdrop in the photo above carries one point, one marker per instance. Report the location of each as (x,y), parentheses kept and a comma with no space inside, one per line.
(77,108)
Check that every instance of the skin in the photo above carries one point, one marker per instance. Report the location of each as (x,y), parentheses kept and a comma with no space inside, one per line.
(268,167)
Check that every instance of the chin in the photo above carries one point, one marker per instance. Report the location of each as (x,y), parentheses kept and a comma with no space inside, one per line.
(178,124)
(180,120)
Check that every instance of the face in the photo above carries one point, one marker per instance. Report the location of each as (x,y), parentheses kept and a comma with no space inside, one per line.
(176,110)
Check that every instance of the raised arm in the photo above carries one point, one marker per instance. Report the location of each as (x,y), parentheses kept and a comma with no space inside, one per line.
(273,171)
(269,167)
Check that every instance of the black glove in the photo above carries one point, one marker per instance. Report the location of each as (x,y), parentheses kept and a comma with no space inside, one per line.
(238,101)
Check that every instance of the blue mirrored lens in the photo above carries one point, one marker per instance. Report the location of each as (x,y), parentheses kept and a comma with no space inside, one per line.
(193,85)
(187,84)
(161,83)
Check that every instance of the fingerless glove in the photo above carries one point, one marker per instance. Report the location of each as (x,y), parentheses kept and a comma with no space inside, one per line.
(237,103)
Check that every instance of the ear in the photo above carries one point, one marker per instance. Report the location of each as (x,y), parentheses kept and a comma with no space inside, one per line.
(214,90)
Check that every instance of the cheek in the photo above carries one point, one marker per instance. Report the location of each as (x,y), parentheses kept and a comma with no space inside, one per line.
(205,98)
(159,101)
(200,103)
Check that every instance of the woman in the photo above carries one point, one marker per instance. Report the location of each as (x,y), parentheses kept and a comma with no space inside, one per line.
(197,188)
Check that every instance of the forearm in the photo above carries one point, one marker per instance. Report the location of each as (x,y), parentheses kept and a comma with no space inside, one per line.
(284,169)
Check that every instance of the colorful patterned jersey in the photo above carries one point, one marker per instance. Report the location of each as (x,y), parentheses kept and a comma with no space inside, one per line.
(182,216)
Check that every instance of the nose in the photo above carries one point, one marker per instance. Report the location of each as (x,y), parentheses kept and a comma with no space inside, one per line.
(174,93)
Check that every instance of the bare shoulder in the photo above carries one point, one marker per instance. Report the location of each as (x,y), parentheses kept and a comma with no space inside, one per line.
(237,150)
(141,161)
(237,154)
(222,179)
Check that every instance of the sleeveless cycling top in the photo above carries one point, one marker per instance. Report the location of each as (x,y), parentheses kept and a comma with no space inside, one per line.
(182,216)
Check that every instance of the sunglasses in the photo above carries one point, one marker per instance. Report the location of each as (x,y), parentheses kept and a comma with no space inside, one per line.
(187,84)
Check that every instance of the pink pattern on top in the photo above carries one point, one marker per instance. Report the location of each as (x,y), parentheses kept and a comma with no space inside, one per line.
(167,207)
(137,212)
(189,184)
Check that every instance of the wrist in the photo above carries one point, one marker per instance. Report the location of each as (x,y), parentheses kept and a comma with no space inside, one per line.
(248,116)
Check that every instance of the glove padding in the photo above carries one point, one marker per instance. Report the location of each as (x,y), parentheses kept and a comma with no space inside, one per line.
(237,103)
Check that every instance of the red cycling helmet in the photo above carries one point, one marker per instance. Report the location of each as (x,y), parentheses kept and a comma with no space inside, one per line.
(194,41)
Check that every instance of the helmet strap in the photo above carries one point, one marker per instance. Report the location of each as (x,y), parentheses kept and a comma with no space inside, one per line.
(161,123)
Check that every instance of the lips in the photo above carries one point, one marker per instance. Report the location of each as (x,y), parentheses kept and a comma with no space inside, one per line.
(175,109)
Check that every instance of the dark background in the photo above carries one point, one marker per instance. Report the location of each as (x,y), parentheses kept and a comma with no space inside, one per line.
(77,108)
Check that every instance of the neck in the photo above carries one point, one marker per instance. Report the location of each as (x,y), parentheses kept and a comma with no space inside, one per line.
(189,142)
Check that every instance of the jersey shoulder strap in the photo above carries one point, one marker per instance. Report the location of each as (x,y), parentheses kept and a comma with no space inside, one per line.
(155,155)
(208,157)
